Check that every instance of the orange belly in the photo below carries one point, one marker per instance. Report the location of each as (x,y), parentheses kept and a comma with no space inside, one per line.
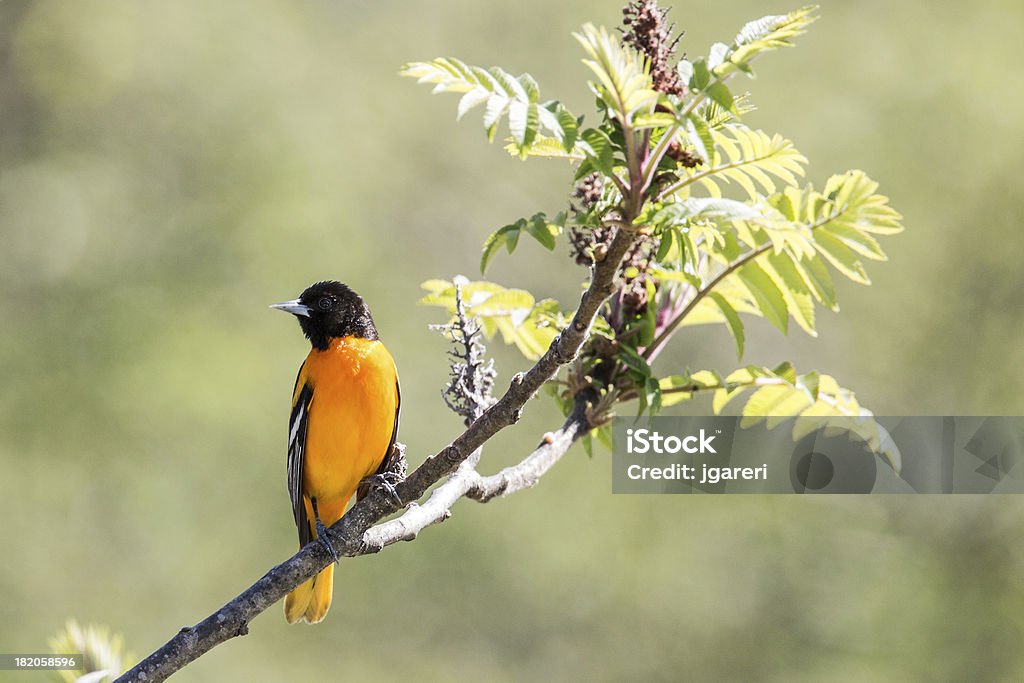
(351,419)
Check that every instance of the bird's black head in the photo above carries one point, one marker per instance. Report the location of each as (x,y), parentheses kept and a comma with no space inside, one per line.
(330,309)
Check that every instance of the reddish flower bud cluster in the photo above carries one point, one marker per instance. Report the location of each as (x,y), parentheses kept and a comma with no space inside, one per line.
(685,157)
(648,32)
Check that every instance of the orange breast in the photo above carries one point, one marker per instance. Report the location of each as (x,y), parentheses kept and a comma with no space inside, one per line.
(351,417)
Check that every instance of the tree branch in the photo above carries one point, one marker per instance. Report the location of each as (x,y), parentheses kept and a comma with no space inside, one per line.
(348,536)
(467,482)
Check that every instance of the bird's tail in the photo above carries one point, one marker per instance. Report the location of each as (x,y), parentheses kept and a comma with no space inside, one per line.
(311,600)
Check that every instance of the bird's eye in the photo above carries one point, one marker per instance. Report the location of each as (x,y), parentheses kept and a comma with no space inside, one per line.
(325,304)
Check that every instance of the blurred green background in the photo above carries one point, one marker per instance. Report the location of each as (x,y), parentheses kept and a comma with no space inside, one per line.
(167,169)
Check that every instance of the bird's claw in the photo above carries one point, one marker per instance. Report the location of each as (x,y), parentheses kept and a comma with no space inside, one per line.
(385,481)
(321,537)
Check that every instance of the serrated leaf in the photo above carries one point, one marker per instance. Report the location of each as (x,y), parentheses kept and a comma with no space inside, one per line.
(722,397)
(543,146)
(529,87)
(764,34)
(767,295)
(699,134)
(747,157)
(623,83)
(841,257)
(471,99)
(732,320)
(784,370)
(539,226)
(857,240)
(599,150)
(781,269)
(507,236)
(502,95)
(545,231)
(776,402)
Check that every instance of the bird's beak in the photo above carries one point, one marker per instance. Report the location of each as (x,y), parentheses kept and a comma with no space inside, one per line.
(293,307)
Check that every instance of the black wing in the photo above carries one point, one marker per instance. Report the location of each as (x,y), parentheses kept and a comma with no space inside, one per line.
(297,458)
(385,463)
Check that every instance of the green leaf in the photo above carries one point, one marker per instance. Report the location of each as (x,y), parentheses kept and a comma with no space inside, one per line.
(545,231)
(544,146)
(507,235)
(750,158)
(501,95)
(470,100)
(539,226)
(841,223)
(634,361)
(700,75)
(665,244)
(528,324)
(444,296)
(784,273)
(779,394)
(599,150)
(818,281)
(732,319)
(435,286)
(526,334)
(623,83)
(669,389)
(699,134)
(676,276)
(649,391)
(761,35)
(523,123)
(774,402)
(563,125)
(841,257)
(680,213)
(783,370)
(857,240)
(529,86)
(766,294)
(657,119)
(720,95)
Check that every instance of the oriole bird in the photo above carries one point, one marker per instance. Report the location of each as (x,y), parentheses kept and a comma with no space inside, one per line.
(344,421)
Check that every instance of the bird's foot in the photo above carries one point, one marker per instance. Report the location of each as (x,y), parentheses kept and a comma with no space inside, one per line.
(321,538)
(321,532)
(385,481)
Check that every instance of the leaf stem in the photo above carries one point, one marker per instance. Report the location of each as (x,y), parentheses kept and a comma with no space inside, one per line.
(729,270)
(657,154)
